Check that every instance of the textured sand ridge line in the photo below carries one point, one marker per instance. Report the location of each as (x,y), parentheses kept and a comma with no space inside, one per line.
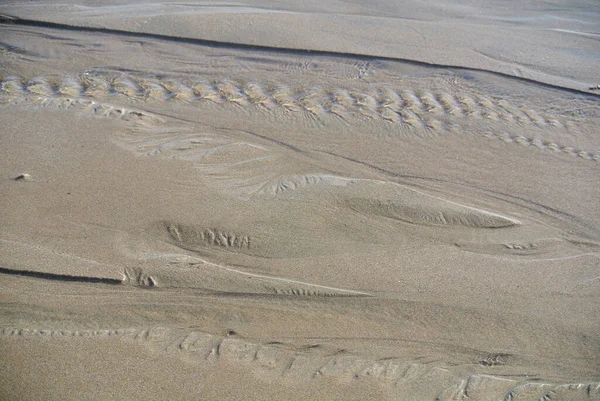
(539,144)
(84,106)
(403,203)
(171,146)
(183,271)
(411,108)
(384,103)
(487,387)
(314,361)
(186,237)
(541,249)
(208,237)
(294,182)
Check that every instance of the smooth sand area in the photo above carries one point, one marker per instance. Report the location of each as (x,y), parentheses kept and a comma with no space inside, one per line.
(392,202)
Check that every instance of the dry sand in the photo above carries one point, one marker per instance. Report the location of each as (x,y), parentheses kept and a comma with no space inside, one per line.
(407,211)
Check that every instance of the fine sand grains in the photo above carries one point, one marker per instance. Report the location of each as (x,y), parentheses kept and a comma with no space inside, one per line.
(192,219)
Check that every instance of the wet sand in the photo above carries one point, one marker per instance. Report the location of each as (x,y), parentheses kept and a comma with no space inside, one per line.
(264,201)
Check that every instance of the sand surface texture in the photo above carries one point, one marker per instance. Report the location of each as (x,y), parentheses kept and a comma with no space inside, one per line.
(369,203)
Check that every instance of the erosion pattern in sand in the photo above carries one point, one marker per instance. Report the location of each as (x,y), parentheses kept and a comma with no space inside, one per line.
(250,223)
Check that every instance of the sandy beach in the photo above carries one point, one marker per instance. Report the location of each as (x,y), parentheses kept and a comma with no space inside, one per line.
(327,200)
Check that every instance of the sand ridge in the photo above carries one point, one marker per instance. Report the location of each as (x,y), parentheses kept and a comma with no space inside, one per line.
(415,109)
